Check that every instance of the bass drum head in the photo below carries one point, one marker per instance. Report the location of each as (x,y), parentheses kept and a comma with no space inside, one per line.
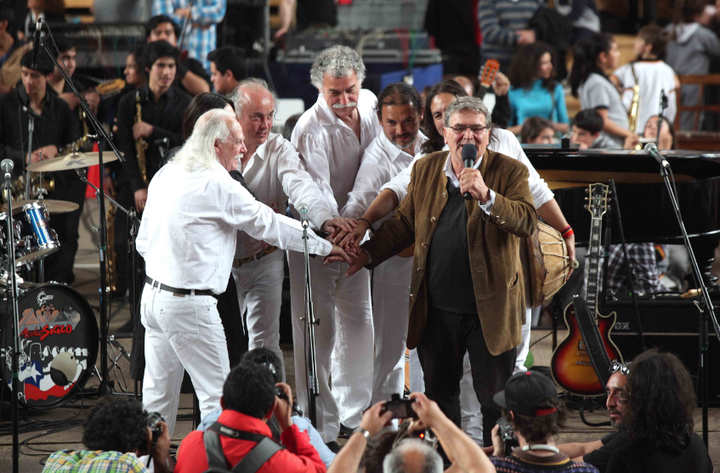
(59,345)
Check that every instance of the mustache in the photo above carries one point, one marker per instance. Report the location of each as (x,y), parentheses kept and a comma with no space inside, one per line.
(339,106)
(402,137)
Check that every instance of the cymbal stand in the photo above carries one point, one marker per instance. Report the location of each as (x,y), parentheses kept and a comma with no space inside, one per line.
(15,384)
(310,323)
(103,138)
(705,306)
(31,130)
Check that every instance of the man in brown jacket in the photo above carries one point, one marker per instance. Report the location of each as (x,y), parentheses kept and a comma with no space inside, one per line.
(467,290)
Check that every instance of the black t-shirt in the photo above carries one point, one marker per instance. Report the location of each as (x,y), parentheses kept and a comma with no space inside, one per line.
(639,458)
(194,66)
(601,456)
(316,12)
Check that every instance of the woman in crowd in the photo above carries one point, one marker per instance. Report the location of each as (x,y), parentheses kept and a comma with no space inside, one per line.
(534,91)
(537,131)
(590,83)
(667,133)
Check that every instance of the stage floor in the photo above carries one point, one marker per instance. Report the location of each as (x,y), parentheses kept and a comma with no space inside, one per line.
(35,447)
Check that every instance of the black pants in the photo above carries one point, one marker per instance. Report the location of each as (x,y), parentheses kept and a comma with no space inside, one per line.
(441,350)
(59,265)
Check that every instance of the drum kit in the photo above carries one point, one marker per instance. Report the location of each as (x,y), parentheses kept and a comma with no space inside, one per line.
(57,327)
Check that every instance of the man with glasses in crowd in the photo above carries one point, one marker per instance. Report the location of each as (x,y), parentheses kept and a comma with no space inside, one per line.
(462,299)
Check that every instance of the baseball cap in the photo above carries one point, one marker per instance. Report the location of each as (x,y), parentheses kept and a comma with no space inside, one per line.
(525,393)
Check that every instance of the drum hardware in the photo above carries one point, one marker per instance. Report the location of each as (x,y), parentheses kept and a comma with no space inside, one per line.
(114,345)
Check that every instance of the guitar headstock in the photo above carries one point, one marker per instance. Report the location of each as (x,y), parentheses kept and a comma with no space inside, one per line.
(489,71)
(597,199)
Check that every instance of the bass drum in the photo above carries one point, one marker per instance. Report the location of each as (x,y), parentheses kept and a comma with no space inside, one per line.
(59,344)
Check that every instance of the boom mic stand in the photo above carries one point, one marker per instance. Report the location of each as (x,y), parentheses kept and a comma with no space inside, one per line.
(7,166)
(103,138)
(310,323)
(706,308)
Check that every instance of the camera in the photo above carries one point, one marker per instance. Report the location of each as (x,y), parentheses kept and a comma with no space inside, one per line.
(279,392)
(153,421)
(507,435)
(400,408)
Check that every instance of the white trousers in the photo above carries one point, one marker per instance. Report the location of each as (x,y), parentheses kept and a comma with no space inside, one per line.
(182,333)
(391,300)
(342,306)
(259,288)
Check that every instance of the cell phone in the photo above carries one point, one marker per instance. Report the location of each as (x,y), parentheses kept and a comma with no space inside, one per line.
(400,408)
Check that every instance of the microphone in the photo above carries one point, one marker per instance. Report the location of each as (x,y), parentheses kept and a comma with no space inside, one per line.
(7,166)
(652,150)
(302,209)
(31,112)
(36,41)
(469,153)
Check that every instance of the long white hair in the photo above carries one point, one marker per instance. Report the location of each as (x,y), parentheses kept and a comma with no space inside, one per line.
(198,152)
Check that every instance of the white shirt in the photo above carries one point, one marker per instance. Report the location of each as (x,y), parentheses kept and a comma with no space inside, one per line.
(505,143)
(331,148)
(452,177)
(382,161)
(275,173)
(653,76)
(187,234)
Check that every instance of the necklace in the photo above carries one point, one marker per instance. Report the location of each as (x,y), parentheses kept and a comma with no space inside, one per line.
(548,448)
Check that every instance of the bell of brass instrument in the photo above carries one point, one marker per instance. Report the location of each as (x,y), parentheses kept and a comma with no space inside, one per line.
(140,144)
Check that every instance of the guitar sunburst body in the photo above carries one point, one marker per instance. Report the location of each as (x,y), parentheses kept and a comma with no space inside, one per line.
(571,367)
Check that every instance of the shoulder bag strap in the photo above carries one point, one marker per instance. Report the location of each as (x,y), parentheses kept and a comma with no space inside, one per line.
(213,450)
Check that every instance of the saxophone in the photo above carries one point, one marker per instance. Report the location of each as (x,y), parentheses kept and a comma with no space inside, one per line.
(140,144)
(635,104)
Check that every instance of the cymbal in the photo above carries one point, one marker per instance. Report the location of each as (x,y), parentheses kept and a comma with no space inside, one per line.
(71,161)
(52,206)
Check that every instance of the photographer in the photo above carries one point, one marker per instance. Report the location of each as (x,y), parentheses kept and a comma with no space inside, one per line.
(530,405)
(250,398)
(117,432)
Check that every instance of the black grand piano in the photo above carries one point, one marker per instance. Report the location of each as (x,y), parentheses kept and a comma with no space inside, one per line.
(668,321)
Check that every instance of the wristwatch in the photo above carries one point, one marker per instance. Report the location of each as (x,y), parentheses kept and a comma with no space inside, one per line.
(364,433)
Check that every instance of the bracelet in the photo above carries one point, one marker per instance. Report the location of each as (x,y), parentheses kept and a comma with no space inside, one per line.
(566,229)
(370,227)
(568,234)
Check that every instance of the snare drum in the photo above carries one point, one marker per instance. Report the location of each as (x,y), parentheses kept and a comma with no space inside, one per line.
(59,340)
(36,239)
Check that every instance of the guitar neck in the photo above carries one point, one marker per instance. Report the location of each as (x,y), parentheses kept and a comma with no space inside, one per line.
(592,288)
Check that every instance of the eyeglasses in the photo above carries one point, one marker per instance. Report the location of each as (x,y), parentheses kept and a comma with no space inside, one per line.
(623,368)
(476,129)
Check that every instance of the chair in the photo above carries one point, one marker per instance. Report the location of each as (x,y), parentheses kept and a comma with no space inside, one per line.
(696,139)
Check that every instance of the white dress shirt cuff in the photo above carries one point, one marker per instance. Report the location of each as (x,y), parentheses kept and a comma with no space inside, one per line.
(487,206)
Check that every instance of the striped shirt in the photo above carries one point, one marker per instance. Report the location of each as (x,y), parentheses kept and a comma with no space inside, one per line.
(201,35)
(85,461)
(499,20)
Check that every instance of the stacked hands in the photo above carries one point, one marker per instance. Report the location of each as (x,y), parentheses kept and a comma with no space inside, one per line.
(346,234)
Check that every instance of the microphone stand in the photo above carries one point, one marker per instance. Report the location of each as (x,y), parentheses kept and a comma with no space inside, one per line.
(706,308)
(31,129)
(15,386)
(661,116)
(310,323)
(103,138)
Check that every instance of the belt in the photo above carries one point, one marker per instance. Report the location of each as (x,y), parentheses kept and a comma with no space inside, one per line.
(240,261)
(177,290)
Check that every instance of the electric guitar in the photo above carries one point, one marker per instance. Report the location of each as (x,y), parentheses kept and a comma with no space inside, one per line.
(572,366)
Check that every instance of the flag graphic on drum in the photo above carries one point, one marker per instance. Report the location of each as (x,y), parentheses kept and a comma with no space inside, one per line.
(58,341)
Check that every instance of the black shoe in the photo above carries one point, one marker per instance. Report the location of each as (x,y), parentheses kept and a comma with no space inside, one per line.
(333,446)
(345,431)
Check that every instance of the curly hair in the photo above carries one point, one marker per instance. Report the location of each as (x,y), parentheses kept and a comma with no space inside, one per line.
(661,401)
(249,389)
(539,429)
(525,63)
(435,140)
(267,357)
(338,61)
(116,424)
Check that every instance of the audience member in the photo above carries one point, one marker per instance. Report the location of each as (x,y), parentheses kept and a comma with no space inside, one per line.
(250,398)
(11,52)
(590,83)
(598,452)
(586,130)
(534,91)
(690,50)
(134,68)
(652,76)
(228,66)
(667,133)
(505,27)
(537,130)
(659,419)
(530,404)
(116,435)
(584,17)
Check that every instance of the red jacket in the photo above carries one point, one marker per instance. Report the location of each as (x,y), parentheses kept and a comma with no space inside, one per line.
(299,456)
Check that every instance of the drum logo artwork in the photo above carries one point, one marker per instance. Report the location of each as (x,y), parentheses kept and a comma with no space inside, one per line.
(47,320)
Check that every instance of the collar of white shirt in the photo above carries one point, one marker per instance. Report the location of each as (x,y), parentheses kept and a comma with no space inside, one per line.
(450,173)
(394,150)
